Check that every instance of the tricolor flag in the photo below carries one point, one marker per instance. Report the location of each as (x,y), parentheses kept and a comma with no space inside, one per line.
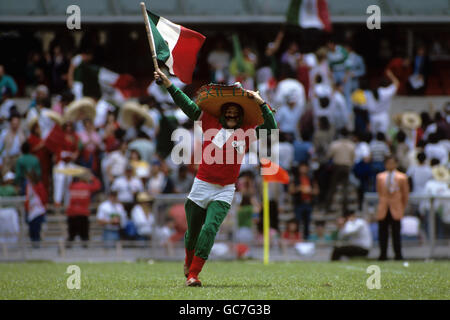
(309,14)
(176,46)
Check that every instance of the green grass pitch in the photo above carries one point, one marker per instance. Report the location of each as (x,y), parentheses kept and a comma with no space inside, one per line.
(226,280)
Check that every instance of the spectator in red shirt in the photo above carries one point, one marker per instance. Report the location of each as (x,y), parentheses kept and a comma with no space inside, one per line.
(80,193)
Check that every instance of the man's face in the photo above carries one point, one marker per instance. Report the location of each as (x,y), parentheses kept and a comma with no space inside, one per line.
(15,123)
(232,116)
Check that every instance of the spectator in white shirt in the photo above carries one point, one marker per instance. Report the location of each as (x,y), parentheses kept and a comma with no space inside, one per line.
(219,62)
(420,174)
(290,86)
(435,150)
(142,216)
(112,216)
(288,115)
(114,164)
(438,186)
(379,103)
(356,237)
(127,186)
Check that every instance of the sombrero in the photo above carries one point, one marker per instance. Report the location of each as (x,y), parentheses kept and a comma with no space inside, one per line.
(132,109)
(75,171)
(440,173)
(211,97)
(144,197)
(53,115)
(31,122)
(411,120)
(80,109)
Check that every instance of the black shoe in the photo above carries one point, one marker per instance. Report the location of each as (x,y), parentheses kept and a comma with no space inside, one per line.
(398,258)
(382,258)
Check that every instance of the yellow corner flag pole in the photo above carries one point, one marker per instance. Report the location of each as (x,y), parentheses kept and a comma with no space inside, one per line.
(266,221)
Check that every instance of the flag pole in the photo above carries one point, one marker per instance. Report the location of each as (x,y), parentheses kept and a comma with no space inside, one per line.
(266,221)
(150,37)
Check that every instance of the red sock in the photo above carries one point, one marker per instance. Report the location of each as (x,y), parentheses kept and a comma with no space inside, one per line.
(189,257)
(196,267)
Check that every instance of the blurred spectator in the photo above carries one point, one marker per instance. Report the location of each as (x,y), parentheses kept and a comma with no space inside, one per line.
(59,68)
(127,186)
(114,163)
(400,65)
(419,174)
(320,234)
(379,103)
(337,57)
(421,68)
(112,216)
(219,62)
(286,150)
(38,148)
(6,82)
(342,154)
(78,210)
(356,237)
(355,68)
(183,179)
(362,168)
(67,155)
(291,56)
(323,136)
(11,140)
(90,146)
(303,149)
(143,217)
(434,150)
(35,206)
(26,165)
(288,115)
(8,188)
(39,96)
(291,235)
(379,150)
(402,151)
(393,192)
(303,189)
(290,88)
(321,68)
(437,186)
(158,181)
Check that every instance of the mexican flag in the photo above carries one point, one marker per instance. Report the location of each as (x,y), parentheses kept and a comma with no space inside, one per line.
(91,80)
(309,14)
(176,46)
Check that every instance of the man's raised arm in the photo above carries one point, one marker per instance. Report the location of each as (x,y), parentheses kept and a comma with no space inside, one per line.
(188,106)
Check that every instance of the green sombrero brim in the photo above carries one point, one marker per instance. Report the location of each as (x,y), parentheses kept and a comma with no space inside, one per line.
(211,97)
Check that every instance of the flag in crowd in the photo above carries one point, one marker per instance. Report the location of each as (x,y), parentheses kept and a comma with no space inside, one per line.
(309,14)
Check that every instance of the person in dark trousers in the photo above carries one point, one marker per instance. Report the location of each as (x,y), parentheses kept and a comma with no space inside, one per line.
(355,235)
(78,211)
(393,192)
(303,189)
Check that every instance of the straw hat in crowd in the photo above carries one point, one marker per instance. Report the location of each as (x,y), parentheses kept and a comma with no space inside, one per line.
(83,108)
(411,120)
(440,173)
(132,110)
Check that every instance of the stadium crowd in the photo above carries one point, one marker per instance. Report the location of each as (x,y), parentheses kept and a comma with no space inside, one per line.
(335,129)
